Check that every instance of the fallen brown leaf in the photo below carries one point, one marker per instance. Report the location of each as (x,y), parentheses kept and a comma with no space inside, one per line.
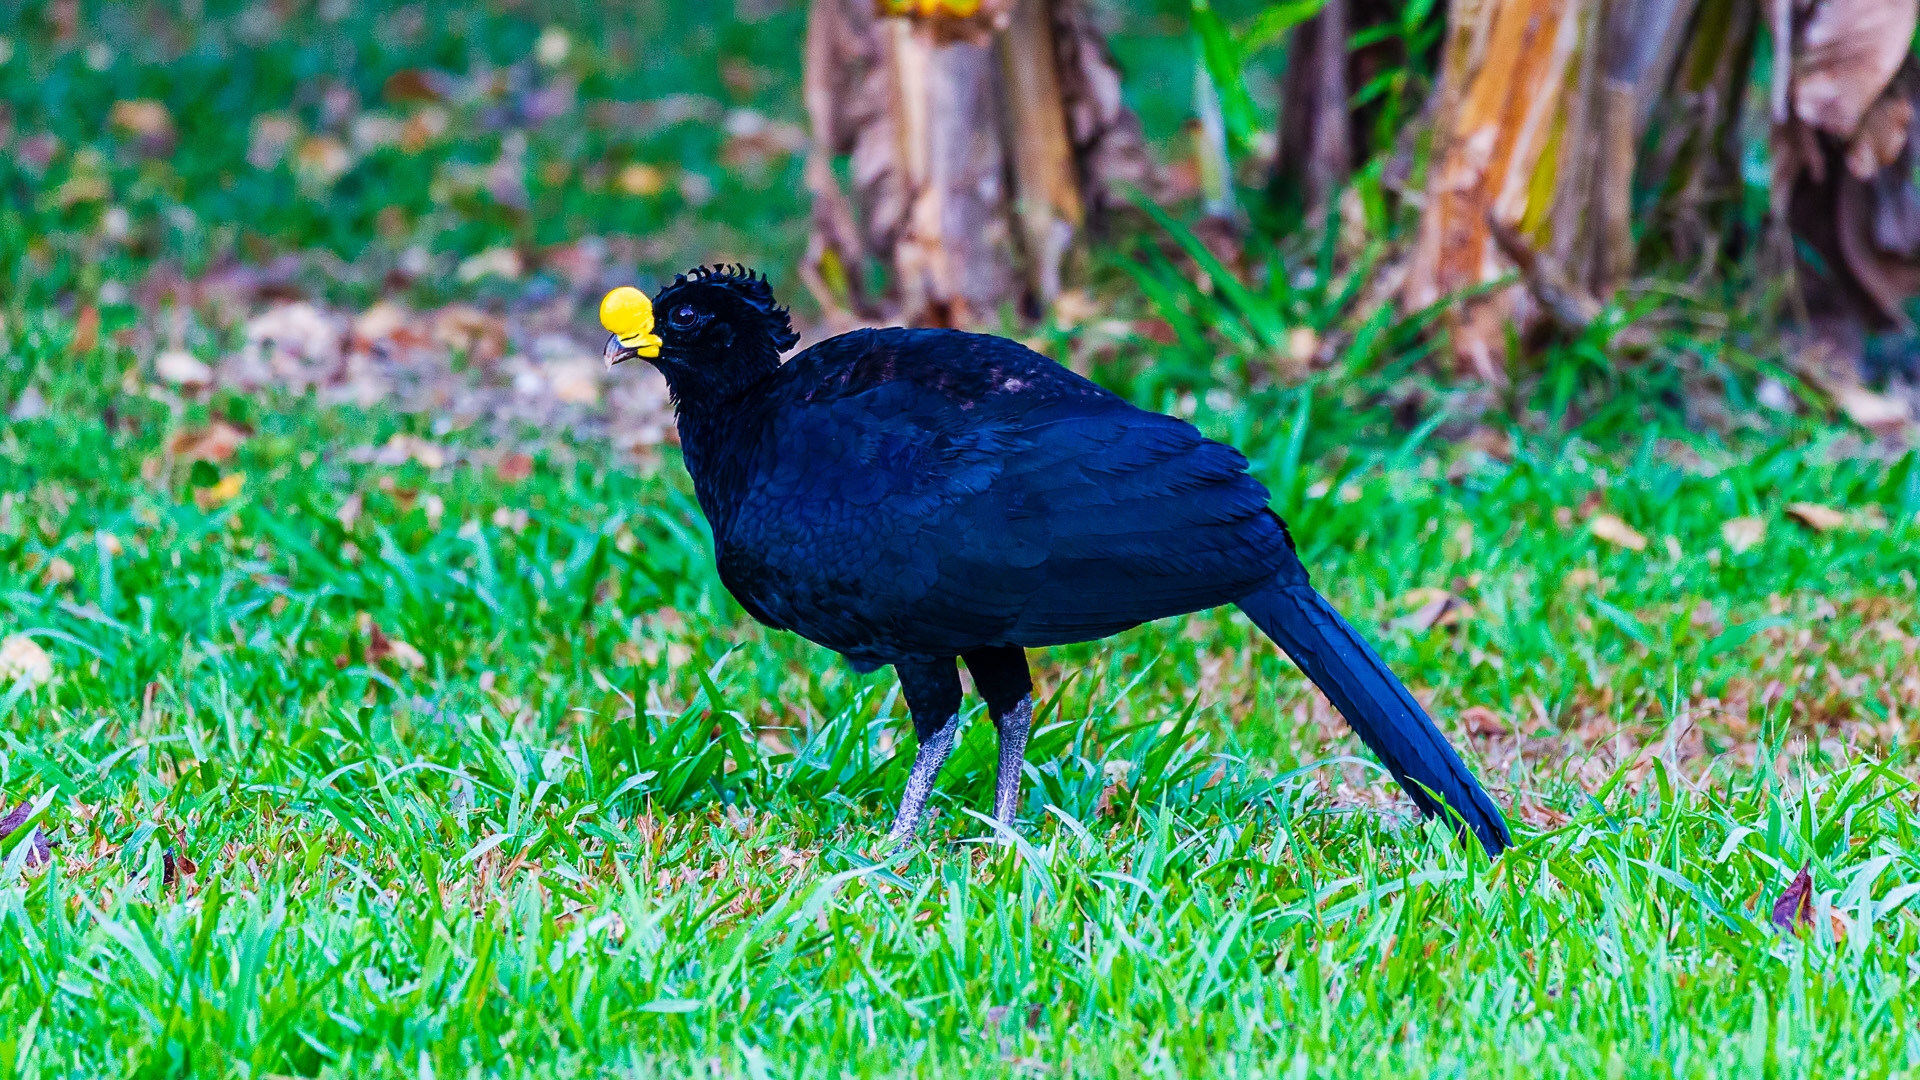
(1875,412)
(1883,135)
(1742,533)
(1816,517)
(754,141)
(321,160)
(379,322)
(174,866)
(423,127)
(501,262)
(576,382)
(1492,441)
(1614,531)
(1534,812)
(1482,721)
(580,262)
(1847,54)
(1706,617)
(403,448)
(470,330)
(641,180)
(1436,607)
(1794,909)
(86,331)
(40,849)
(217,442)
(23,660)
(415,85)
(146,121)
(269,139)
(406,655)
(182,368)
(144,117)
(381,647)
(514,468)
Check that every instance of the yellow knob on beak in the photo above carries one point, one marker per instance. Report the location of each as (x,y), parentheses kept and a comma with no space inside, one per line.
(628,316)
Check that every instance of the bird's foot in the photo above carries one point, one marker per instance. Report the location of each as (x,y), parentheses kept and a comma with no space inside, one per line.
(1014,728)
(926,768)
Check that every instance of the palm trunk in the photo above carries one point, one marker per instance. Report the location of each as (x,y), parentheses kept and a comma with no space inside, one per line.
(975,148)
(1546,106)
(1543,107)
(1695,157)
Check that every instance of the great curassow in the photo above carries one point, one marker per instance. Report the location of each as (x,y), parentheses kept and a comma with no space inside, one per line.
(913,497)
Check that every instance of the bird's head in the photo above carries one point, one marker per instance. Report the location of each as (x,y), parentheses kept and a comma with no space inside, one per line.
(712,331)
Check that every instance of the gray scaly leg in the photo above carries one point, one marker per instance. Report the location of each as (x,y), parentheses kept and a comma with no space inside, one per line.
(1014,727)
(926,768)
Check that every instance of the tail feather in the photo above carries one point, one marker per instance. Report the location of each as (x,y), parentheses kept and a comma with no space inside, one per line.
(1377,707)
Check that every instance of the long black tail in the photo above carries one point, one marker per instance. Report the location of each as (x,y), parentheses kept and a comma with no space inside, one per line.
(1377,707)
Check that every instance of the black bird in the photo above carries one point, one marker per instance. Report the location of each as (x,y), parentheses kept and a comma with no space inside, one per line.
(909,497)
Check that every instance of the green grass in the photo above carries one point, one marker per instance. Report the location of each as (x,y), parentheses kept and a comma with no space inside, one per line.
(487,863)
(350,74)
(608,826)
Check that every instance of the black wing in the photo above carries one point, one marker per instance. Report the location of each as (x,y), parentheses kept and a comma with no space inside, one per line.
(922,515)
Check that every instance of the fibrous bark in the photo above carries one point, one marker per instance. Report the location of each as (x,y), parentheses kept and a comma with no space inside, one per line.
(1694,158)
(1323,134)
(977,140)
(1316,127)
(1543,106)
(1506,72)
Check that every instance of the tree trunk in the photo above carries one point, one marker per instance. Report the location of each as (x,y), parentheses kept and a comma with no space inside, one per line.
(1696,152)
(1317,129)
(976,146)
(1545,106)
(1542,107)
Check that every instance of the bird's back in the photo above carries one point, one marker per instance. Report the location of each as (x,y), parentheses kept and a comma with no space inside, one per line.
(911,494)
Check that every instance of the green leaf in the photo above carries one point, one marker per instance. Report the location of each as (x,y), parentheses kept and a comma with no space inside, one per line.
(1221,58)
(1268,27)
(1735,636)
(1626,623)
(1380,84)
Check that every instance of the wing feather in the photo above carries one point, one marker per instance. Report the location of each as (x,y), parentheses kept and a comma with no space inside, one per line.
(896,520)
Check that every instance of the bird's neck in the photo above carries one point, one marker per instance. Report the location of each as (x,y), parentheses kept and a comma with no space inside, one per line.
(717,406)
(701,436)
(713,438)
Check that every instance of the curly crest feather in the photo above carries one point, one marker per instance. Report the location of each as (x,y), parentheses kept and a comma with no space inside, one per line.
(750,286)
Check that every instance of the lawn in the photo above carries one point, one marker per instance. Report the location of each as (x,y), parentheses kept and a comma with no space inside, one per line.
(399,725)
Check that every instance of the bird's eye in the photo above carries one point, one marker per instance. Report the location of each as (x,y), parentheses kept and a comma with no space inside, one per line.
(682,317)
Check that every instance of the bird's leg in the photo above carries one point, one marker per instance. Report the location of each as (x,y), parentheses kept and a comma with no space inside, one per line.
(932,691)
(1014,727)
(926,768)
(1000,674)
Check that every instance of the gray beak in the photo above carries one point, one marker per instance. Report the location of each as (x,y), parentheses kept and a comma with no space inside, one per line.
(615,353)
